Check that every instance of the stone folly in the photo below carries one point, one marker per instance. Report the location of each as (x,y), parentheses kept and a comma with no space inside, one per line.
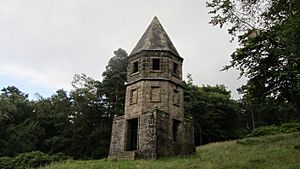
(154,124)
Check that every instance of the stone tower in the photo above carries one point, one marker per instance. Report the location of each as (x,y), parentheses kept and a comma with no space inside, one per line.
(154,124)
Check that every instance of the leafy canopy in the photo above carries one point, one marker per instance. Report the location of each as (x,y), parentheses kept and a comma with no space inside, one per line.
(268,32)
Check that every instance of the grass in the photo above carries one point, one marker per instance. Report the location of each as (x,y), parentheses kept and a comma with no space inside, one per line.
(267,152)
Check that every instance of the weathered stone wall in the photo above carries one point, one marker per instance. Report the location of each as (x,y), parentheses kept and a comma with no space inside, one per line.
(154,136)
(144,101)
(147,136)
(166,146)
(145,79)
(117,136)
(175,110)
(145,66)
(134,109)
(164,142)
(156,98)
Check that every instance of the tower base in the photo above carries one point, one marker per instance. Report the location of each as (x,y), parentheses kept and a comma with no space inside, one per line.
(151,135)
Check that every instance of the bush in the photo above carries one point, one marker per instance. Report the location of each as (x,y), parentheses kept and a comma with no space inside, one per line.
(30,160)
(290,127)
(6,163)
(272,129)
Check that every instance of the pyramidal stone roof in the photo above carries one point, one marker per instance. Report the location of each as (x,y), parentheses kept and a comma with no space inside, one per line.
(155,38)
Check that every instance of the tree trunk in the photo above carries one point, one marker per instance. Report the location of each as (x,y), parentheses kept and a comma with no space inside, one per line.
(200,132)
(252,116)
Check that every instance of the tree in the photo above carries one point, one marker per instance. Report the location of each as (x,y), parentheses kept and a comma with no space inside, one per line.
(90,118)
(76,123)
(268,32)
(52,114)
(114,79)
(258,112)
(215,114)
(18,133)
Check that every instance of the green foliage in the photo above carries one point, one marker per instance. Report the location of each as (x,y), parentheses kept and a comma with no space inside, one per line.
(215,114)
(266,152)
(258,112)
(114,79)
(91,121)
(77,123)
(24,137)
(7,163)
(272,129)
(269,53)
(15,112)
(290,127)
(30,160)
(266,130)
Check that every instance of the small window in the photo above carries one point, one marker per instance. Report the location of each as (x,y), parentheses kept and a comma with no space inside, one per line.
(176,97)
(133,96)
(175,68)
(135,67)
(155,64)
(175,130)
(155,94)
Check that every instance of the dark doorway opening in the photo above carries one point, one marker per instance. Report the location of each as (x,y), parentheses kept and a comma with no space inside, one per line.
(175,130)
(132,134)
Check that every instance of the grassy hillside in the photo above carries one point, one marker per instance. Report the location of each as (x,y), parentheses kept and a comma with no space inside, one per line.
(268,152)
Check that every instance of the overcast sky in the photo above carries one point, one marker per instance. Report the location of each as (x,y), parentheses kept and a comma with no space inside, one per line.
(43,43)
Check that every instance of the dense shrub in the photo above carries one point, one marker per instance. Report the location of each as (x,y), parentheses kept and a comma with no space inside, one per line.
(273,129)
(290,127)
(6,163)
(30,160)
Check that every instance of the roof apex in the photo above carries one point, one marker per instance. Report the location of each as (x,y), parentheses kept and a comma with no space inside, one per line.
(154,38)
